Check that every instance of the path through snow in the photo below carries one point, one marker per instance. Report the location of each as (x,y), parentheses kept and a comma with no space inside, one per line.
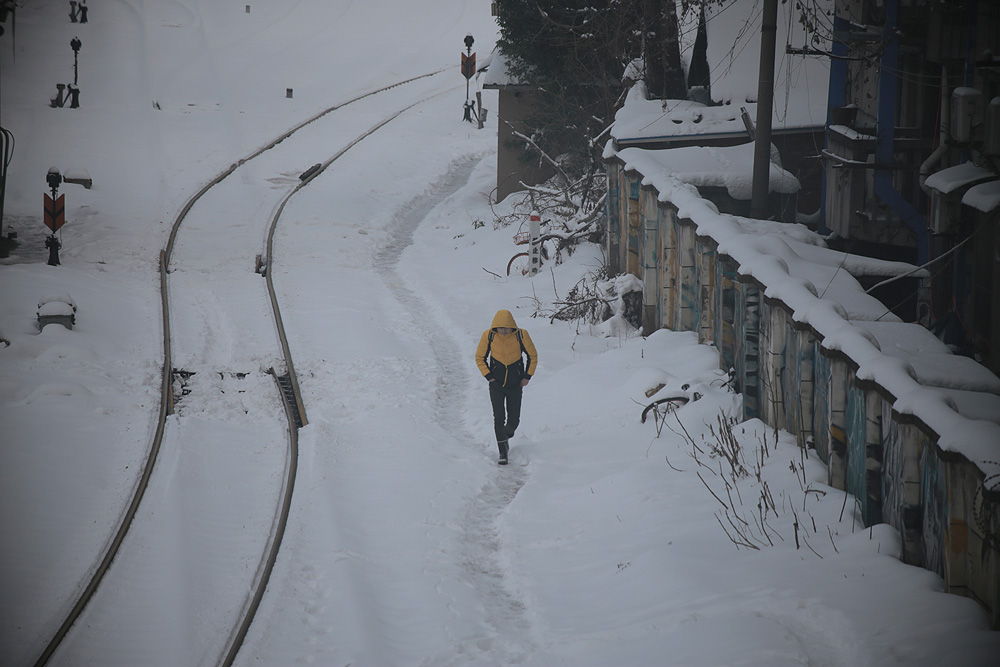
(482,548)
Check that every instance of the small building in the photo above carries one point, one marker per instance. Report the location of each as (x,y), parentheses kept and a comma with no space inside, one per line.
(728,116)
(514,105)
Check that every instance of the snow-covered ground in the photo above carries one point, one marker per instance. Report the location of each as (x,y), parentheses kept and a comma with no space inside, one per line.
(604,542)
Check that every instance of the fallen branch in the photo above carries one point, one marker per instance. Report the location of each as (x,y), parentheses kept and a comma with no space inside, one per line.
(731,539)
(710,490)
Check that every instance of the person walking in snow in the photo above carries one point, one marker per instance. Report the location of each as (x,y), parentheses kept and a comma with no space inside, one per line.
(501,359)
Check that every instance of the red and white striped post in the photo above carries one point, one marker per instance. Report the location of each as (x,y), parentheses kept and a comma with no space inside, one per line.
(535,253)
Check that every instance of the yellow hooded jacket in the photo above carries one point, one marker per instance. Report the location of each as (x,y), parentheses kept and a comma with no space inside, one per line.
(499,357)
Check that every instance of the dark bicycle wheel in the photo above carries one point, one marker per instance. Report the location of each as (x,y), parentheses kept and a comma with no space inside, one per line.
(519,264)
(666,405)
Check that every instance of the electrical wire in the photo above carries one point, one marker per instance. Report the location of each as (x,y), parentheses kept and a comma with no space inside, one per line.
(933,276)
(918,268)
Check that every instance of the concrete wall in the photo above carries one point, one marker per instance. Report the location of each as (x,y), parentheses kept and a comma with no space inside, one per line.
(515,106)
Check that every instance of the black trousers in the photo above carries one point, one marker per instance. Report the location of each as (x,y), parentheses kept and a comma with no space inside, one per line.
(506,409)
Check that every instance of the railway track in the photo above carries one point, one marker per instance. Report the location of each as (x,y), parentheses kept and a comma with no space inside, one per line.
(208,375)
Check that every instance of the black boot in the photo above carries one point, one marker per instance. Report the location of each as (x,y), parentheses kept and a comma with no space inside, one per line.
(502,446)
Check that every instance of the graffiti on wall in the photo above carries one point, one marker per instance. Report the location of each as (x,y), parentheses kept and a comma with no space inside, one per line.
(873,454)
(837,415)
(856,427)
(864,450)
(632,231)
(725,323)
(706,302)
(773,370)
(934,531)
(663,277)
(689,285)
(820,405)
(901,486)
(675,272)
(613,210)
(650,261)
(892,467)
(793,386)
(806,384)
(750,357)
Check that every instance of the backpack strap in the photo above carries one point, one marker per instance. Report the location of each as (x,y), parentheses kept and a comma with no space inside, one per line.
(520,341)
(524,351)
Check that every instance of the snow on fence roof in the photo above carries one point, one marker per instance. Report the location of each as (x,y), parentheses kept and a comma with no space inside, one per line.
(926,382)
(729,167)
(984,197)
(931,359)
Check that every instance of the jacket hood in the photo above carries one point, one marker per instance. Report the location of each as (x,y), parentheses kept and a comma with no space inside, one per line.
(503,318)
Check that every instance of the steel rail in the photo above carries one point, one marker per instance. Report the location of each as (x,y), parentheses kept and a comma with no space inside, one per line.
(298,406)
(166,386)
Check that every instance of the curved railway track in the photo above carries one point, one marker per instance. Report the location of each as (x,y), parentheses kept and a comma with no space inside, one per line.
(285,380)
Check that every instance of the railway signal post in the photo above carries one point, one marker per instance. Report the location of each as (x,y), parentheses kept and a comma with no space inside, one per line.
(75,44)
(468,71)
(54,216)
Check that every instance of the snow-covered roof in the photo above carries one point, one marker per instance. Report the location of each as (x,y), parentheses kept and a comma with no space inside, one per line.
(801,83)
(646,121)
(496,73)
(918,372)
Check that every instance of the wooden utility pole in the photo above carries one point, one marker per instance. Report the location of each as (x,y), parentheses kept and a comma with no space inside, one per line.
(765,111)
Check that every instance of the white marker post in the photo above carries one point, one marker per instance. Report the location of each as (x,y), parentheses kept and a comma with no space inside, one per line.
(535,254)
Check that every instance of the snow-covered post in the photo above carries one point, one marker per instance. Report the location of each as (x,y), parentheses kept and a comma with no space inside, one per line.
(535,253)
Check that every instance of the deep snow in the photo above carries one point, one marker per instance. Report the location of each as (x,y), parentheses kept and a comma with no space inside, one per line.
(407,544)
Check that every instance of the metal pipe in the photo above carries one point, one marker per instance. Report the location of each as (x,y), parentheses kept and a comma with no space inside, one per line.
(888,95)
(943,129)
